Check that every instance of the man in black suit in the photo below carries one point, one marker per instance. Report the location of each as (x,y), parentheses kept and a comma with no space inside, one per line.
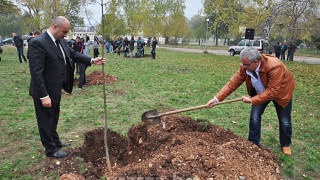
(51,71)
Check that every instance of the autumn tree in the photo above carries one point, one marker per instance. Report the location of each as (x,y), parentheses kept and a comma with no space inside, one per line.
(175,21)
(114,22)
(38,13)
(154,13)
(224,16)
(198,24)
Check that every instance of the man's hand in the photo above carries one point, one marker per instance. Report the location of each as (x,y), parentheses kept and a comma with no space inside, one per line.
(99,60)
(246,99)
(211,103)
(46,102)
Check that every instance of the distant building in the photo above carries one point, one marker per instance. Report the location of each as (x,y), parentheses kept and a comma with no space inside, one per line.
(82,32)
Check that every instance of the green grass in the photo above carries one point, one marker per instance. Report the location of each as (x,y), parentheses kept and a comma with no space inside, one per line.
(174,80)
(307,52)
(300,52)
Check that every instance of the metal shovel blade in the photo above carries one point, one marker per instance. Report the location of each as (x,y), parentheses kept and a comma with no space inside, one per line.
(151,117)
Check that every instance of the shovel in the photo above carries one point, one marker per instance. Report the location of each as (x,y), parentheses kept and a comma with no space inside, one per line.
(153,117)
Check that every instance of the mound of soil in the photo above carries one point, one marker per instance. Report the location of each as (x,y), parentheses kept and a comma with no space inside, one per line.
(185,148)
(95,78)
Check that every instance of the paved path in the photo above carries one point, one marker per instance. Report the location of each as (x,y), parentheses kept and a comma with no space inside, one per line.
(309,60)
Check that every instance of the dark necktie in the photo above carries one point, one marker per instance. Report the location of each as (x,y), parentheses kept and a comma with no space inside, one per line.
(58,46)
(255,74)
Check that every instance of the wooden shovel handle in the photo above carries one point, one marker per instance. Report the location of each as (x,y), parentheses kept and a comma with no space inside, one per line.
(197,107)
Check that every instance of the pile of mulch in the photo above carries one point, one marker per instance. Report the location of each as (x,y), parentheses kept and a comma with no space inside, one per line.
(95,78)
(185,148)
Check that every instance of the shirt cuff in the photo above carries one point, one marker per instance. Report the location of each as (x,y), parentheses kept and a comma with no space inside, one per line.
(216,99)
(44,97)
(92,61)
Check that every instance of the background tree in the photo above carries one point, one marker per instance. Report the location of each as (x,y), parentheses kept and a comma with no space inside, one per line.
(175,21)
(133,13)
(198,25)
(115,24)
(11,23)
(7,7)
(38,13)
(154,12)
(223,16)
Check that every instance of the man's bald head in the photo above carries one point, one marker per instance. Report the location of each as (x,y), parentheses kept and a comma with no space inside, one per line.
(59,27)
(60,20)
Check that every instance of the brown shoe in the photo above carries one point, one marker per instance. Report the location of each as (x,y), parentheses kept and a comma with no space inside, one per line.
(286,151)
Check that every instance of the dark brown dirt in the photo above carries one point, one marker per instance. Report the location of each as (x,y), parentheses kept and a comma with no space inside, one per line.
(184,149)
(95,78)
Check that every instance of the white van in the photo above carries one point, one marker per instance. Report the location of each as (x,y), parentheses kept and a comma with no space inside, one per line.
(246,43)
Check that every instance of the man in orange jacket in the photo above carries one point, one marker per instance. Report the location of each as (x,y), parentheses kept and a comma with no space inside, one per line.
(267,79)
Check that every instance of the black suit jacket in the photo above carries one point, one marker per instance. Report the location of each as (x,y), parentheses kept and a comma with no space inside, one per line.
(49,73)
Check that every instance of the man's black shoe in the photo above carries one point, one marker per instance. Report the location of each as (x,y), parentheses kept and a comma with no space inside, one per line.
(63,145)
(58,154)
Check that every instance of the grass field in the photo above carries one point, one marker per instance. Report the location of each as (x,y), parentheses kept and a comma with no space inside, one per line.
(174,80)
(299,52)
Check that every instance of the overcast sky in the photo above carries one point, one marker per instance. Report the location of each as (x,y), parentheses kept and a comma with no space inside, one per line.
(192,8)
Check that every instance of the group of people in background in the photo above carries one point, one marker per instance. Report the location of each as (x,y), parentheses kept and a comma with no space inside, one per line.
(128,46)
(82,46)
(281,48)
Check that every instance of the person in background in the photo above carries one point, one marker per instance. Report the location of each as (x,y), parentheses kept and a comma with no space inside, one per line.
(114,44)
(30,37)
(153,46)
(83,67)
(35,34)
(111,46)
(291,49)
(277,50)
(139,46)
(267,79)
(95,47)
(131,44)
(82,41)
(18,42)
(119,45)
(125,46)
(143,44)
(283,51)
(107,47)
(51,71)
(78,46)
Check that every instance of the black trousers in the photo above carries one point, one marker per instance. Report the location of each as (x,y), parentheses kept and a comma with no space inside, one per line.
(47,119)
(95,52)
(82,78)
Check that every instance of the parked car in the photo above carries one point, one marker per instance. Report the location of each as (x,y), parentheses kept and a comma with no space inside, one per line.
(8,41)
(247,43)
(145,40)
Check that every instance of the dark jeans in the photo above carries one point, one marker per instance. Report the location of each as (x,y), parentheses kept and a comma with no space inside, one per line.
(20,53)
(95,52)
(290,56)
(138,51)
(82,78)
(284,117)
(153,52)
(283,55)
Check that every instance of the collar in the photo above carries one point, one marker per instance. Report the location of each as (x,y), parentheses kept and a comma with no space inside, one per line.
(257,70)
(51,36)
